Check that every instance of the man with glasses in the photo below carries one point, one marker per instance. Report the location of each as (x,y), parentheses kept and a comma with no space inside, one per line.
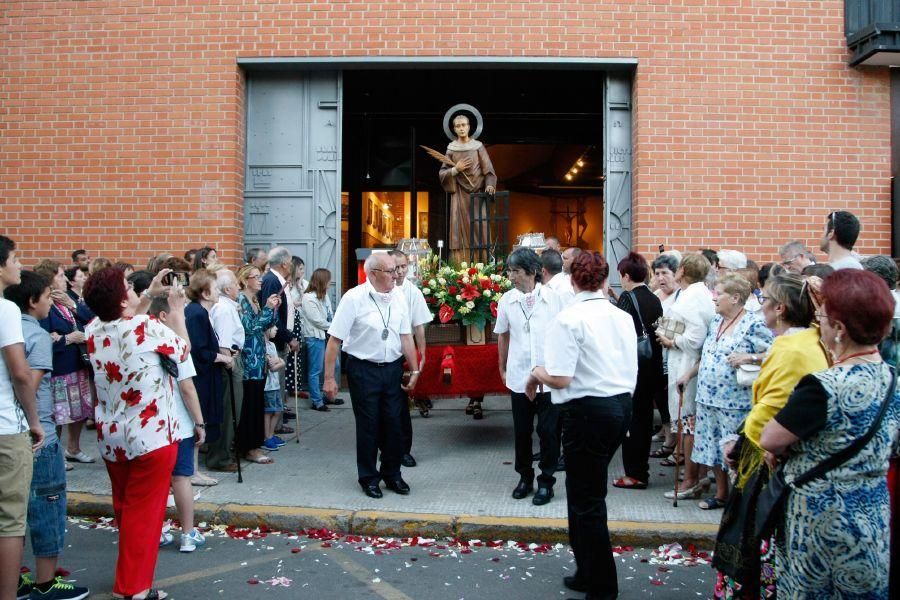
(372,323)
(795,257)
(841,233)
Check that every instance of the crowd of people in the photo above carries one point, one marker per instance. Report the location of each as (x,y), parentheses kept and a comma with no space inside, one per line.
(760,375)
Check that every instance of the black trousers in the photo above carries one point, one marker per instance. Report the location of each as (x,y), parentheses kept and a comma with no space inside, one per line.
(406,447)
(524,411)
(378,405)
(636,445)
(251,431)
(593,428)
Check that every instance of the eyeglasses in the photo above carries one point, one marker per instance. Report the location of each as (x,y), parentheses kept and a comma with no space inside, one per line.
(390,271)
(252,276)
(763,299)
(790,261)
(129,286)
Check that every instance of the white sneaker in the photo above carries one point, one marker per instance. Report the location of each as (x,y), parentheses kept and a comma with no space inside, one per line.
(165,539)
(190,541)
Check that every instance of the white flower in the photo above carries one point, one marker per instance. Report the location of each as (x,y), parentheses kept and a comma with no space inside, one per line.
(432,283)
(426,291)
(463,310)
(479,266)
(458,298)
(465,279)
(442,281)
(470,305)
(487,293)
(495,277)
(463,265)
(497,297)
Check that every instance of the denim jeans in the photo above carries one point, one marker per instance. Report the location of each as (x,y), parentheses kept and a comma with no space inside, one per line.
(47,502)
(315,366)
(593,428)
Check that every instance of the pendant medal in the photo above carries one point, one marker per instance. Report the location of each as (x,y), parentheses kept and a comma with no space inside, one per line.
(384,334)
(527,327)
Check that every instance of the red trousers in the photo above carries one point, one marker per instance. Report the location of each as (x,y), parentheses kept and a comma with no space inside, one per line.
(139,490)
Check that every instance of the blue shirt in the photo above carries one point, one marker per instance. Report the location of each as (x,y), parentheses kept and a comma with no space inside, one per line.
(39,354)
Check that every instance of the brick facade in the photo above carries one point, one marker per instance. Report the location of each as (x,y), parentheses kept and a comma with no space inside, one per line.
(123,121)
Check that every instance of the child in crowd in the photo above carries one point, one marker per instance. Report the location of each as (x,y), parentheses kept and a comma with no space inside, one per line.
(274,400)
(47,500)
(191,430)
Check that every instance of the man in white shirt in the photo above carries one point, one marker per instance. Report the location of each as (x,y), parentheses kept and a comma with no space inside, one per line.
(841,233)
(555,278)
(226,321)
(795,257)
(20,427)
(523,316)
(372,323)
(419,316)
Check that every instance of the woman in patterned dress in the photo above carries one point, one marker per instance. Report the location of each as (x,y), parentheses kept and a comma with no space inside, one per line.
(298,288)
(746,565)
(70,383)
(836,532)
(736,336)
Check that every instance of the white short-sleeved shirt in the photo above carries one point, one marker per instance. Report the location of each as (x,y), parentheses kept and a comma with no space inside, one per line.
(12,418)
(415,303)
(361,316)
(273,382)
(526,343)
(595,344)
(561,283)
(185,428)
(848,262)
(226,321)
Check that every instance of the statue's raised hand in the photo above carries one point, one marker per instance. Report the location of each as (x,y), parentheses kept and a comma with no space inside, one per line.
(463,164)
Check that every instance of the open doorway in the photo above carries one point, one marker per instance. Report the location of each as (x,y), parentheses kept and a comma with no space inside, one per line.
(543,129)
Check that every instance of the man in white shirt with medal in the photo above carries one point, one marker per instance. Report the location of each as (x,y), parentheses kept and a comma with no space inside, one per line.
(372,323)
(419,316)
(523,316)
(556,277)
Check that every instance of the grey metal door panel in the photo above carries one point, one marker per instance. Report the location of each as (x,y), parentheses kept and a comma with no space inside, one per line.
(617,200)
(292,192)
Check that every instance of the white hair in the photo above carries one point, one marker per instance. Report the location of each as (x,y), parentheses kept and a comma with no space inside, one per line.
(374,261)
(279,255)
(732,259)
(224,279)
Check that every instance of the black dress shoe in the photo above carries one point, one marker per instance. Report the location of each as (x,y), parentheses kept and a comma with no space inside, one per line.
(320,408)
(561,464)
(522,490)
(372,490)
(574,583)
(287,416)
(335,402)
(407,460)
(536,457)
(397,485)
(542,496)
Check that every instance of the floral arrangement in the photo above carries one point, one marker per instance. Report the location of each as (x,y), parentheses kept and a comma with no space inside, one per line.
(465,293)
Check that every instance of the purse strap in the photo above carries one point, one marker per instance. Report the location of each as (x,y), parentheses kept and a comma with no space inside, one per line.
(853,449)
(637,310)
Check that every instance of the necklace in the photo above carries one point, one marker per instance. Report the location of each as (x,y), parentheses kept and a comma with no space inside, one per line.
(722,329)
(857,355)
(384,332)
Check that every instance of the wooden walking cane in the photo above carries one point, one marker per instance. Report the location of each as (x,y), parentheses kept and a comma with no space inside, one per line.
(297,394)
(678,444)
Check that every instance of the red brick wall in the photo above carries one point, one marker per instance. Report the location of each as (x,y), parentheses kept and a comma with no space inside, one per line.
(122,121)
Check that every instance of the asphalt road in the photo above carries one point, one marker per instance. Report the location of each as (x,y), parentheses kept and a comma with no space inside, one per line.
(327,566)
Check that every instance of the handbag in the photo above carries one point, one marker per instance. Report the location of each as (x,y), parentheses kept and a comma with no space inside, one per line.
(770,504)
(644,347)
(746,375)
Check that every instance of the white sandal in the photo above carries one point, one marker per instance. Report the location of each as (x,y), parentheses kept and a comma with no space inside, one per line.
(200,479)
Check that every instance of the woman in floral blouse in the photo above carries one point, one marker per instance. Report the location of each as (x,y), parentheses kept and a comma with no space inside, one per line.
(137,423)
(251,428)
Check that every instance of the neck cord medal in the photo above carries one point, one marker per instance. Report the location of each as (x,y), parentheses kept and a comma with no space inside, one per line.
(384,332)
(528,298)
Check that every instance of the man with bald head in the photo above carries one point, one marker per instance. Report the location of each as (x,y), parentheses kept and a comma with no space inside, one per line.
(373,325)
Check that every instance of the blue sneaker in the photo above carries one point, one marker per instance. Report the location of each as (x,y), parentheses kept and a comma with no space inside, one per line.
(279,441)
(270,444)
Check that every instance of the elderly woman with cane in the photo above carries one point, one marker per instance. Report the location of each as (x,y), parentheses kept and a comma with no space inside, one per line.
(591,367)
(743,560)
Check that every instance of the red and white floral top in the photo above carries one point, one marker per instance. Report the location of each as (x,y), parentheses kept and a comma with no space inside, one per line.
(136,410)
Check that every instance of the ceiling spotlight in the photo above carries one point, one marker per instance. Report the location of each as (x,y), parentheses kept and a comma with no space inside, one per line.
(574,169)
(568,177)
(579,162)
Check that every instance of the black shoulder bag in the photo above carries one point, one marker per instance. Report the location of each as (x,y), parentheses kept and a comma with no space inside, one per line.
(770,504)
(644,347)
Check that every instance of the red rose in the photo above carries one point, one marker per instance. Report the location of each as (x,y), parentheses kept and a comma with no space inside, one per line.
(453,290)
(496,288)
(140,332)
(120,454)
(112,372)
(494,309)
(485,283)
(132,397)
(148,413)
(165,349)
(445,314)
(470,293)
(472,271)
(89,343)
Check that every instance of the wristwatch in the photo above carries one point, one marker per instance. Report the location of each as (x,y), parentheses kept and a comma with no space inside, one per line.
(200,425)
(414,372)
(146,294)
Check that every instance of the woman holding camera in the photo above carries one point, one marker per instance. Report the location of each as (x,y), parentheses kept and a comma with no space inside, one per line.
(70,383)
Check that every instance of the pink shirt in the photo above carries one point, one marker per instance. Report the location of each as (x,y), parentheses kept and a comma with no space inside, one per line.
(136,403)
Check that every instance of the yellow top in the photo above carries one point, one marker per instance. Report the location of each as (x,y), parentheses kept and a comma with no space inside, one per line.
(790,359)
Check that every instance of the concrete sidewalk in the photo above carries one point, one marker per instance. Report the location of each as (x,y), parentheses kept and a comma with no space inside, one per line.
(461,486)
